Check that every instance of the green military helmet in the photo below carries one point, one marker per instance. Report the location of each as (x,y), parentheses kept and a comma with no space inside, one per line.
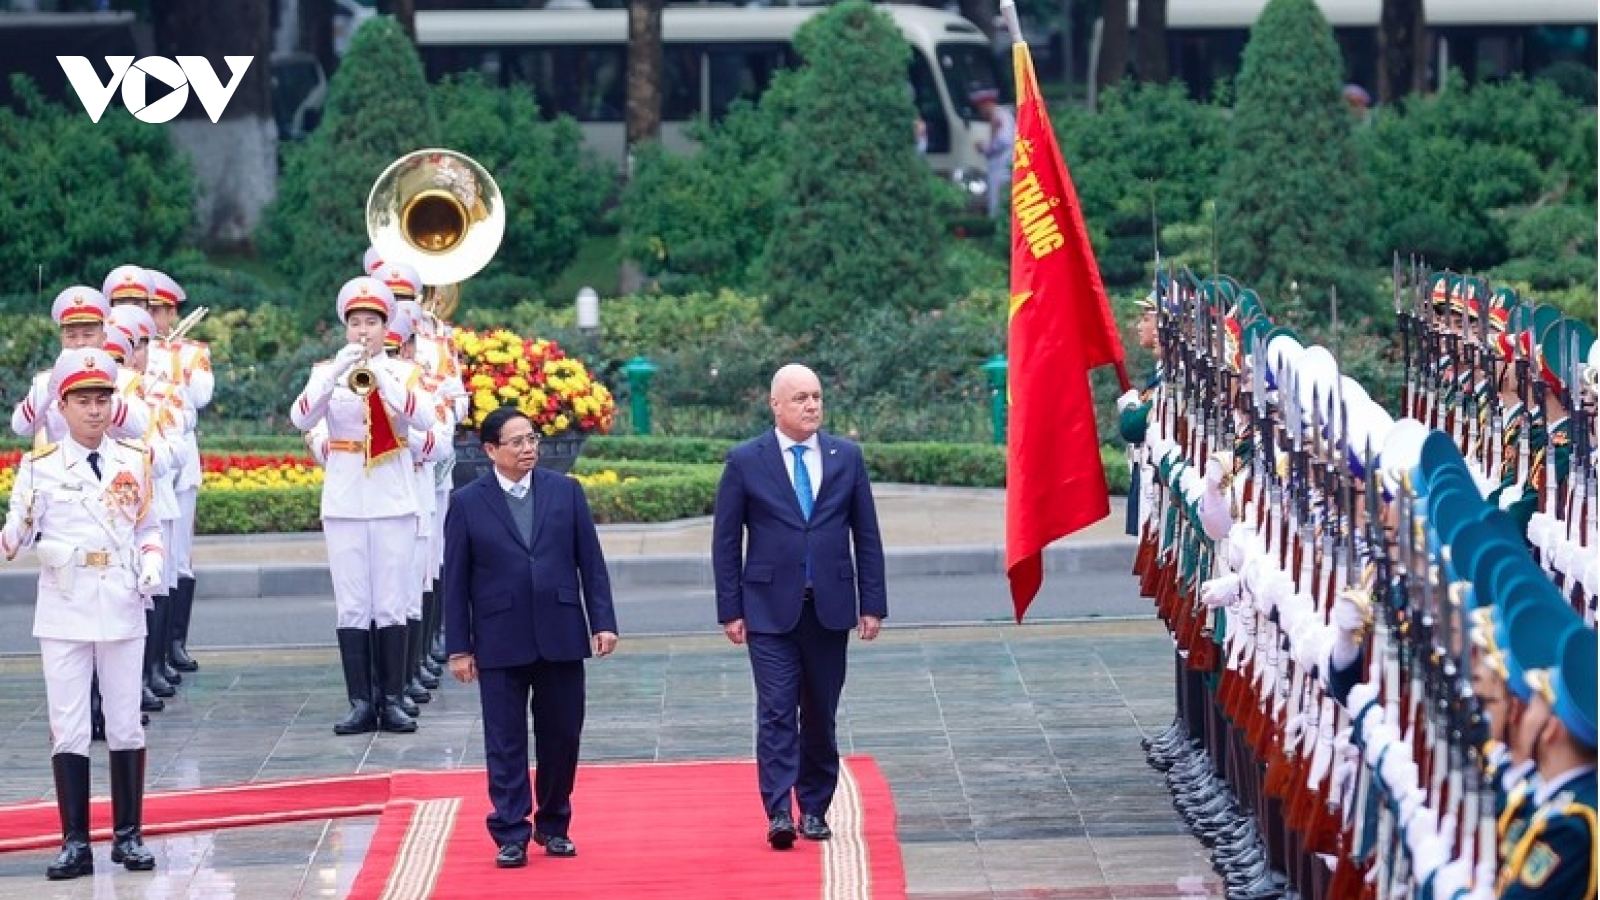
(1534,631)
(1501,303)
(1562,344)
(1440,287)
(1569,685)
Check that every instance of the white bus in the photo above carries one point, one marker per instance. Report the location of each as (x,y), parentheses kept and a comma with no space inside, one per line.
(1487,40)
(575,61)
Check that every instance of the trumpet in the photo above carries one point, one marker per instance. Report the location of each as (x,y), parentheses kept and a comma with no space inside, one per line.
(362,381)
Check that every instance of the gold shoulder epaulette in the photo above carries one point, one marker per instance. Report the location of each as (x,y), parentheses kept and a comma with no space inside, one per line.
(131,444)
(42,452)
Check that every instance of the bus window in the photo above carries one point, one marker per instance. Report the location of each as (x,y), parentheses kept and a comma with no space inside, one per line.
(925,95)
(743,72)
(968,67)
(680,83)
(439,62)
(587,83)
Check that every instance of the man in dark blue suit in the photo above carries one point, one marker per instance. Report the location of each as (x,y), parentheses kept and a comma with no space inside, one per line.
(798,563)
(527,598)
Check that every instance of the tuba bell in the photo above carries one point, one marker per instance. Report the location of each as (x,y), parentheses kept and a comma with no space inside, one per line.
(439,211)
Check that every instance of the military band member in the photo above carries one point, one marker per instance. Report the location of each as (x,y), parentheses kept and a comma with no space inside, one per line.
(368,402)
(84,506)
(80,311)
(185,362)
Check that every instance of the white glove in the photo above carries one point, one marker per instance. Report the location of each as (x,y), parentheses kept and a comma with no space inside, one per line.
(1362,694)
(1128,401)
(390,387)
(347,357)
(1348,621)
(150,573)
(1220,591)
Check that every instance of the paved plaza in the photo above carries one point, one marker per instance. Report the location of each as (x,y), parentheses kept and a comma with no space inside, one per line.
(1012,753)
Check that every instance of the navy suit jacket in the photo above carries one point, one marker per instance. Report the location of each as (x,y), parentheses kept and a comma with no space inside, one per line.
(760,540)
(510,603)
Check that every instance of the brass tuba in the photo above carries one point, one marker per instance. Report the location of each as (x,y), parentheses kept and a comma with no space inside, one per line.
(440,211)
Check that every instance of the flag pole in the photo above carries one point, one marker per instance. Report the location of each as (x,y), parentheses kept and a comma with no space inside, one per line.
(1008,10)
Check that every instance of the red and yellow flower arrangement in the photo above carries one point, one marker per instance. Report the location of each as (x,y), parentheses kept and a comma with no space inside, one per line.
(500,368)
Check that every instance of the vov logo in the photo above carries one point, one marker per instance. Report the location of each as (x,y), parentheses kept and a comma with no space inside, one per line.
(178,76)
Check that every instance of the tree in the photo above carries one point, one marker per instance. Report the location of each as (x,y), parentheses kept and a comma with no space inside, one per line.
(1293,204)
(404,12)
(378,110)
(1402,50)
(644,71)
(861,225)
(1152,48)
(1113,62)
(980,13)
(235,158)
(316,32)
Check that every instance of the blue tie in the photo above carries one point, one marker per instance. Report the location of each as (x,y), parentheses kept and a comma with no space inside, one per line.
(802,480)
(802,492)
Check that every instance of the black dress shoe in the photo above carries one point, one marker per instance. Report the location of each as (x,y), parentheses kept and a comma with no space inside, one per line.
(780,831)
(814,828)
(555,844)
(511,856)
(74,861)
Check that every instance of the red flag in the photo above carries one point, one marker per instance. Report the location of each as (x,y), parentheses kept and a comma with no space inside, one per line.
(1060,328)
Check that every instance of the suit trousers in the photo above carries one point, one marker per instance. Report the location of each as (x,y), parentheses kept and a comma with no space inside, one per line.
(799,676)
(69,666)
(554,693)
(370,561)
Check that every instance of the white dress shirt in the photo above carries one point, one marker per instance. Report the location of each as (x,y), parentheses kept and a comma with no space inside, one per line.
(813,457)
(522,486)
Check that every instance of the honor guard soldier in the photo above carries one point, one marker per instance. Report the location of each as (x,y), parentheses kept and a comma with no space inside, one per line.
(184,362)
(1556,855)
(80,311)
(83,504)
(367,402)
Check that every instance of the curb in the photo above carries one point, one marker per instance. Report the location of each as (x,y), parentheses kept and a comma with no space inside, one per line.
(251,582)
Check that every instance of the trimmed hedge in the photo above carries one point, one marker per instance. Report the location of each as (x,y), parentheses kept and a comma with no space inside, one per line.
(954,465)
(233,511)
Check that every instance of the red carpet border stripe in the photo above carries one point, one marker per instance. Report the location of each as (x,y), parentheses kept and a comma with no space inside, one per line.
(845,871)
(421,857)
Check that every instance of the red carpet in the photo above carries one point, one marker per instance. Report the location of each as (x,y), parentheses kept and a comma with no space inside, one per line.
(28,826)
(652,830)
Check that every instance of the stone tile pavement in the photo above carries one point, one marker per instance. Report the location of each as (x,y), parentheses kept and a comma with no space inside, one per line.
(1012,753)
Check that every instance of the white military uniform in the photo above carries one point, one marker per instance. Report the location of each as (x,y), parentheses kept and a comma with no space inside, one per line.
(76,305)
(369,505)
(186,363)
(93,536)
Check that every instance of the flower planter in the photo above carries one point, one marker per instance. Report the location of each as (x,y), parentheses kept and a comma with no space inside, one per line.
(556,453)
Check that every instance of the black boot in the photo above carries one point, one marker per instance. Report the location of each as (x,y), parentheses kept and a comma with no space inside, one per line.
(164,626)
(182,609)
(355,654)
(380,677)
(427,670)
(127,803)
(416,639)
(72,800)
(392,663)
(97,714)
(436,635)
(154,679)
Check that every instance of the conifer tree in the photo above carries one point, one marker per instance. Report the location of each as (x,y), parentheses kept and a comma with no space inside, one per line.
(1293,210)
(378,110)
(860,228)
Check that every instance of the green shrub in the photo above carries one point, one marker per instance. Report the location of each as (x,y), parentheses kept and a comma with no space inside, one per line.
(552,194)
(1147,158)
(83,197)
(1293,199)
(378,109)
(861,226)
(699,222)
(1459,166)
(654,449)
(234,511)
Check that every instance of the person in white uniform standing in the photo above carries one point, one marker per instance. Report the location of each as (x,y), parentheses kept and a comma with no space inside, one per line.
(367,402)
(80,311)
(84,506)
